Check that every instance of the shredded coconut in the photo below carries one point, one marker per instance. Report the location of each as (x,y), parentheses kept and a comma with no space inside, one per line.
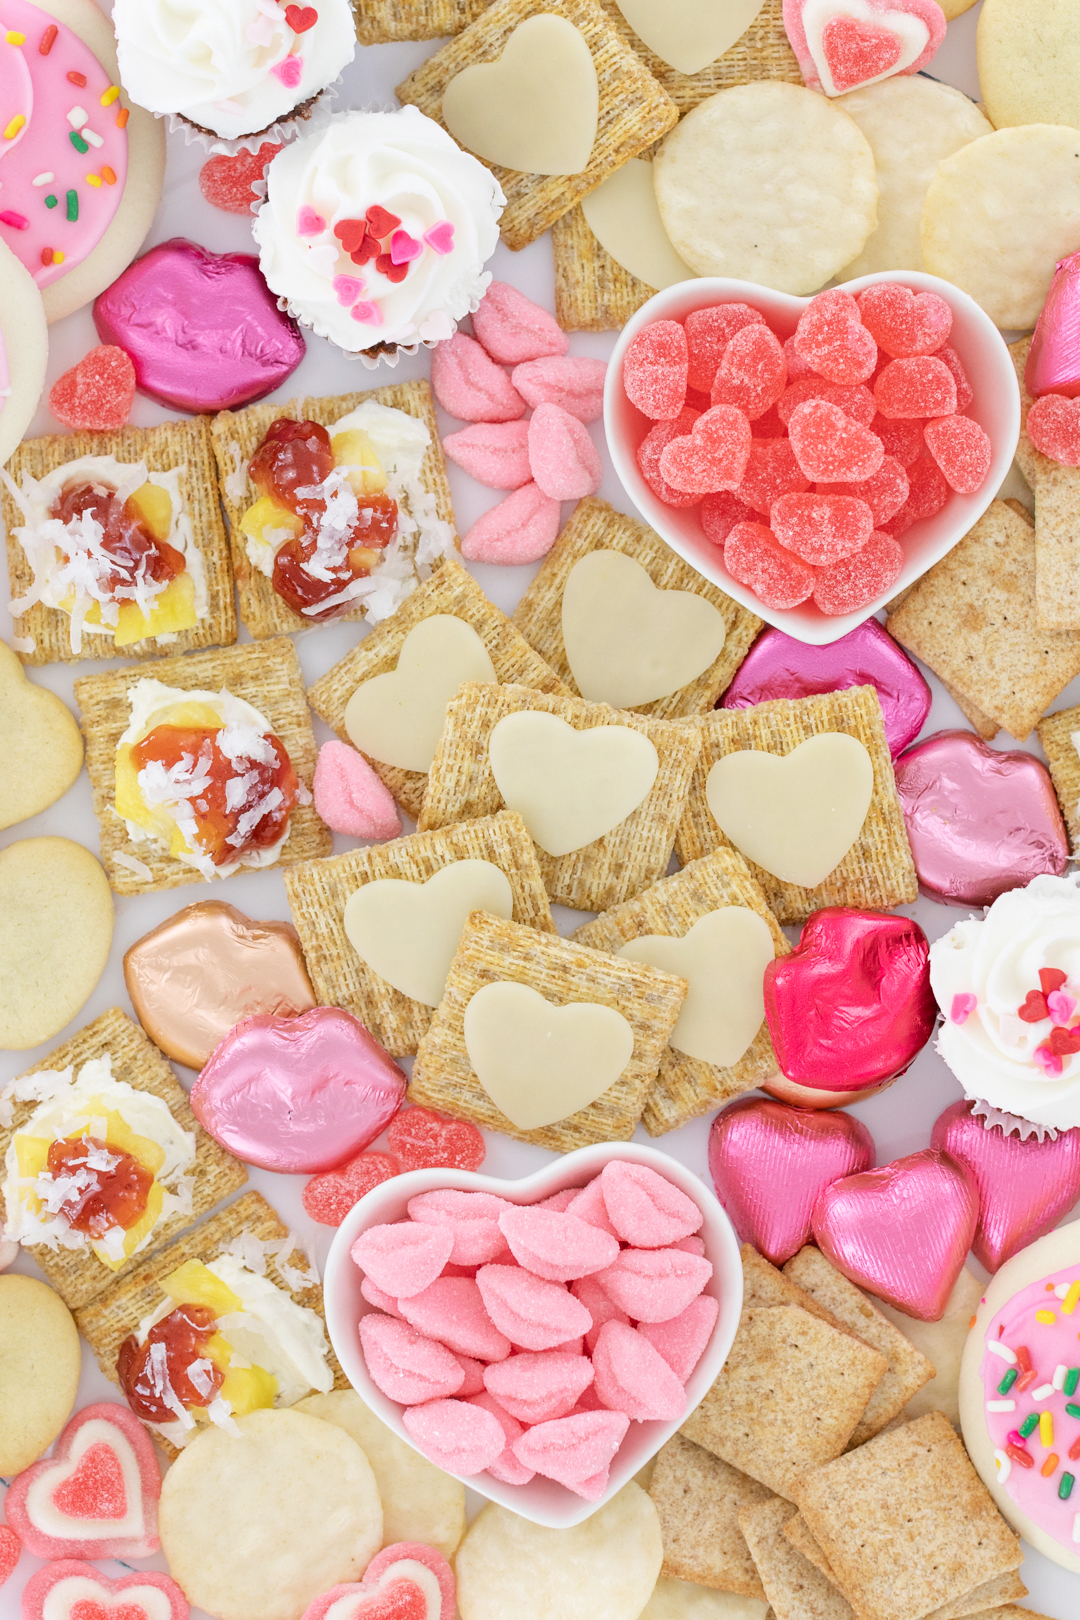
(219,1412)
(24,644)
(236,482)
(132,863)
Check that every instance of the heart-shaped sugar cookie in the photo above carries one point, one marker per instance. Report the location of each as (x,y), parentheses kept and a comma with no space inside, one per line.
(689,34)
(536,108)
(540,1063)
(58,920)
(624,217)
(396,718)
(40,744)
(96,1496)
(569,787)
(408,932)
(796,816)
(406,1581)
(70,1590)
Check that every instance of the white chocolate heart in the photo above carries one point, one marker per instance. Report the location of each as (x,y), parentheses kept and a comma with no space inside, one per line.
(624,216)
(535,109)
(397,717)
(408,932)
(796,816)
(723,959)
(628,642)
(40,744)
(569,787)
(540,1063)
(689,34)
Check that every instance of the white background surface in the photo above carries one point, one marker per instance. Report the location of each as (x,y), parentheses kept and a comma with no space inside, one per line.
(900,1119)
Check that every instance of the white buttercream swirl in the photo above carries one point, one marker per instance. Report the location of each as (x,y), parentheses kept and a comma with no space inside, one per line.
(406,164)
(997,960)
(224,64)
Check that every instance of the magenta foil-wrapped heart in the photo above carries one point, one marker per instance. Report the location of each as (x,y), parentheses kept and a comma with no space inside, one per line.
(298,1094)
(1053,363)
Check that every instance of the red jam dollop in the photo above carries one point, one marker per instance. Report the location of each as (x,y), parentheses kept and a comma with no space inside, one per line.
(105,1198)
(139,555)
(184,1333)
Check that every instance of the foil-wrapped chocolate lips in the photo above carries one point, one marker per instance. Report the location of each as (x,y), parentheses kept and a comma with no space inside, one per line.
(1053,363)
(196,975)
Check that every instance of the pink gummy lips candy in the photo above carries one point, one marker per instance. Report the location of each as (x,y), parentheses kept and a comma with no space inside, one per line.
(533,1313)
(683,1339)
(653,1285)
(457,1436)
(539,1385)
(505,1466)
(513,329)
(452,1312)
(403,1258)
(572,381)
(494,453)
(574,1450)
(564,461)
(469,385)
(557,1246)
(405,1365)
(471,1217)
(633,1377)
(645,1209)
(521,529)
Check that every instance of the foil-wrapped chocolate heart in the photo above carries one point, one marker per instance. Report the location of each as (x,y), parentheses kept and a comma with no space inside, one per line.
(1053,363)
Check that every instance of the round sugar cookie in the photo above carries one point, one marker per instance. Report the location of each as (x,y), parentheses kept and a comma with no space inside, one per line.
(255,1527)
(39,1370)
(767,182)
(955,8)
(40,743)
(1000,213)
(912,123)
(684,1600)
(1028,54)
(24,351)
(57,915)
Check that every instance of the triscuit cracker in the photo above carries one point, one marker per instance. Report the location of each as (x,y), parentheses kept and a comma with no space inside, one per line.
(634,110)
(761,52)
(381,22)
(596,526)
(593,293)
(698,1497)
(77,1274)
(1056,732)
(793,1585)
(1057,524)
(612,868)
(236,437)
(185,445)
(972,620)
(908,1368)
(877,870)
(788,1398)
(906,1523)
(319,891)
(450,590)
(265,674)
(492,950)
(687,1086)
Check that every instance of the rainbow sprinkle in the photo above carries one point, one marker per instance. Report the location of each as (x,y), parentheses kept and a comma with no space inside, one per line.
(12,129)
(1046,1429)
(110,95)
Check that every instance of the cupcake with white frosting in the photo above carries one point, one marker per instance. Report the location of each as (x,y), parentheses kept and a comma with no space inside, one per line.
(376,229)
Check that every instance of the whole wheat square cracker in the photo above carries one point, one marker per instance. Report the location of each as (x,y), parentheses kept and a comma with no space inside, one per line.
(793,1584)
(263,673)
(1056,736)
(380,22)
(688,1086)
(611,869)
(596,526)
(788,1398)
(593,293)
(634,110)
(183,445)
(764,1285)
(236,437)
(77,1274)
(877,871)
(451,590)
(795,1531)
(491,950)
(108,1321)
(972,620)
(906,1523)
(319,891)
(1057,519)
(697,1497)
(980,722)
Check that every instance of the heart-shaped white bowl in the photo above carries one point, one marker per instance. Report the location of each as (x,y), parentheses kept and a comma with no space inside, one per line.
(541,1500)
(996,407)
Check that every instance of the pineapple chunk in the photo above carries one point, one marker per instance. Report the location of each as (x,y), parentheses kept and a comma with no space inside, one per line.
(247,1388)
(154,506)
(270,514)
(354,450)
(195,1284)
(172,609)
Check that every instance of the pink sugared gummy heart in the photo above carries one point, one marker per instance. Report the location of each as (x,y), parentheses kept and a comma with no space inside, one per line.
(350,797)
(712,456)
(752,372)
(927,494)
(424,1140)
(469,385)
(588,1205)
(381,1300)
(512,328)
(494,453)
(472,1218)
(884,494)
(328,1197)
(962,450)
(1053,426)
(854,48)
(521,529)
(797,367)
(833,448)
(913,388)
(753,556)
(599,1306)
(653,1285)
(96,395)
(452,1312)
(682,1341)
(228,182)
(855,400)
(557,1246)
(633,1377)
(10,1552)
(539,1385)
(822,528)
(506,1466)
(853,583)
(771,471)
(902,322)
(573,1450)
(654,370)
(721,512)
(403,1257)
(573,381)
(564,461)
(902,440)
(708,333)
(646,1209)
(457,1436)
(832,339)
(90,1595)
(652,448)
(405,1365)
(533,1313)
(406,1581)
(964,391)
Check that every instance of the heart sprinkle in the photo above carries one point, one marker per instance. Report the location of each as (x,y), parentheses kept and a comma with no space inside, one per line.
(289,71)
(440,238)
(308,222)
(301,18)
(404,248)
(962,1008)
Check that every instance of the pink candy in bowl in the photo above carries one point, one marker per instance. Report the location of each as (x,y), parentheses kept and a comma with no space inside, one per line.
(993,414)
(515,1300)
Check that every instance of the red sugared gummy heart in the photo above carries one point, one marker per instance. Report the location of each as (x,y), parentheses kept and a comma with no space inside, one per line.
(884,494)
(857,51)
(902,440)
(752,372)
(424,1140)
(856,401)
(96,395)
(776,576)
(329,1196)
(831,447)
(847,586)
(10,1552)
(1053,426)
(652,448)
(301,18)
(771,471)
(713,455)
(821,529)
(964,391)
(708,333)
(720,513)
(902,322)
(655,370)
(380,222)
(228,182)
(832,339)
(962,450)
(928,492)
(923,387)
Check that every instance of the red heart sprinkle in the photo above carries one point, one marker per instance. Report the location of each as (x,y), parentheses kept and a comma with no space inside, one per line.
(424,1140)
(98,393)
(385,265)
(350,233)
(1034,1009)
(227,182)
(368,249)
(301,18)
(1052,979)
(98,1480)
(10,1549)
(380,222)
(1063,1042)
(857,51)
(328,1197)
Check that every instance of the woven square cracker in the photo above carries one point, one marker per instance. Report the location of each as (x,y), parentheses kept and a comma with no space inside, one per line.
(451,589)
(318,892)
(793,1585)
(697,1498)
(264,673)
(1057,519)
(908,1368)
(593,293)
(877,870)
(611,869)
(77,1274)
(183,444)
(236,437)
(107,1322)
(906,1523)
(972,620)
(687,1086)
(379,22)
(491,950)
(634,110)
(1056,736)
(788,1398)
(596,526)
(762,52)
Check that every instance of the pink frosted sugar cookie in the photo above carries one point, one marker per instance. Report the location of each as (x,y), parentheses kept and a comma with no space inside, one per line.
(403,1258)
(556,1245)
(683,1339)
(644,1208)
(842,44)
(521,529)
(406,1581)
(534,1314)
(575,1451)
(471,1217)
(564,461)
(513,329)
(73,1590)
(537,1386)
(494,453)
(458,1436)
(350,797)
(653,1285)
(633,1377)
(468,383)
(405,1365)
(452,1311)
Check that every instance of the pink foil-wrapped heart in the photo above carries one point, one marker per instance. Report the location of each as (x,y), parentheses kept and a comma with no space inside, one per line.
(298,1094)
(203,329)
(902,1232)
(1053,363)
(1024,1187)
(770,1163)
(777,666)
(979,820)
